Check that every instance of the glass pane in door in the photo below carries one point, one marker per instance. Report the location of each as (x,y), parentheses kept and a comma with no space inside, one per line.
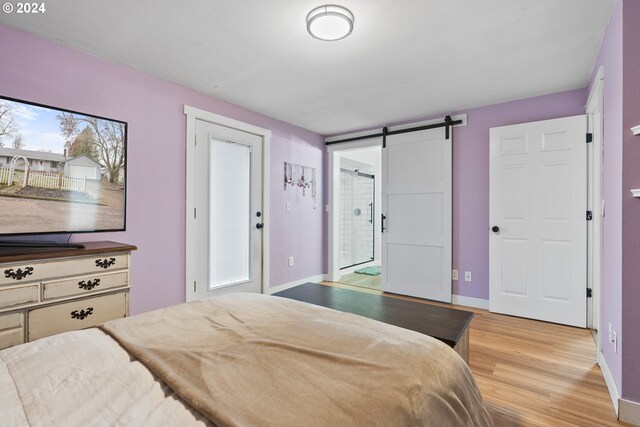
(356,217)
(230,213)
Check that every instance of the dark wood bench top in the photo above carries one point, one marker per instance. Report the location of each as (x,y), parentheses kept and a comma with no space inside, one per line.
(446,324)
(29,253)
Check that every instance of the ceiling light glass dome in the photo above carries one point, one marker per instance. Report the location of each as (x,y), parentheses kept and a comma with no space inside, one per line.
(330,22)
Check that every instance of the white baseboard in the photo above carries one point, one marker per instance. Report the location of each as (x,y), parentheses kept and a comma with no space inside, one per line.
(629,412)
(608,379)
(470,302)
(312,279)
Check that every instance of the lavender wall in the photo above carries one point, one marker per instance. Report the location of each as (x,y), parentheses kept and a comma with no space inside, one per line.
(471,178)
(40,71)
(300,232)
(630,344)
(611,58)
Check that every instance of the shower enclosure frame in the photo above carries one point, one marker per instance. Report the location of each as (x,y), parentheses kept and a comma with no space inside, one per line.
(372,221)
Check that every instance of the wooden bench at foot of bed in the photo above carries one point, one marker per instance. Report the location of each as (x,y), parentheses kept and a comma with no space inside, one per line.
(448,325)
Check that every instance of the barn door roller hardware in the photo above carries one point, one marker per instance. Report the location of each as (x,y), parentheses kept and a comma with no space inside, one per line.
(447,123)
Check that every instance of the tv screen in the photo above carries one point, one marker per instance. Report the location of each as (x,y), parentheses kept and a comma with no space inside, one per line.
(60,171)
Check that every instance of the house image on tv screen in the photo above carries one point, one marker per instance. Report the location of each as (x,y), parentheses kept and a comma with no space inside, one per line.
(27,168)
(60,171)
(38,160)
(52,188)
(82,167)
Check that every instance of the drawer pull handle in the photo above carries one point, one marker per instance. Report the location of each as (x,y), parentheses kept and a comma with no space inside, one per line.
(82,314)
(19,274)
(105,263)
(88,285)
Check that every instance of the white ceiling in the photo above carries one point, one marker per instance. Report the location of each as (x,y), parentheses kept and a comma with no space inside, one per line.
(406,59)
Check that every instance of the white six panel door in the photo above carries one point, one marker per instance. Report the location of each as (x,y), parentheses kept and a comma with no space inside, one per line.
(416,200)
(538,200)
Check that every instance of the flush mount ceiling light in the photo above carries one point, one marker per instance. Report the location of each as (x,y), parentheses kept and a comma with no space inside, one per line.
(330,22)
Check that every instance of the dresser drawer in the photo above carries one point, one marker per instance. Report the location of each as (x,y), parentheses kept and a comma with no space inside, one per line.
(11,337)
(11,332)
(11,320)
(44,270)
(78,314)
(83,285)
(18,295)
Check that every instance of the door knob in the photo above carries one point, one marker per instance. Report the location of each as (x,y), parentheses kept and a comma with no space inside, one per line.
(495,228)
(259,225)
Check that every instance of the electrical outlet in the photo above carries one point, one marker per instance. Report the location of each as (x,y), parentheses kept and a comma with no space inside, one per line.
(290,261)
(614,341)
(467,276)
(454,274)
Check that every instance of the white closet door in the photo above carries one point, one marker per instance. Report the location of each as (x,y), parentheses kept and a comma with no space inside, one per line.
(538,202)
(416,201)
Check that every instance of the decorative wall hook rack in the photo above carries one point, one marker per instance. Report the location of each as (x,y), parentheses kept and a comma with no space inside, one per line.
(303,177)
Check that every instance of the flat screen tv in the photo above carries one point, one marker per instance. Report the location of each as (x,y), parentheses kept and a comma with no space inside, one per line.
(61,171)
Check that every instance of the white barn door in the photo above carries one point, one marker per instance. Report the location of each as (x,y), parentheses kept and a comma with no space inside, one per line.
(538,227)
(416,204)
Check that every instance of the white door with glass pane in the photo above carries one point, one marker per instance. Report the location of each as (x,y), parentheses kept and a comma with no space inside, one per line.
(538,230)
(417,212)
(228,211)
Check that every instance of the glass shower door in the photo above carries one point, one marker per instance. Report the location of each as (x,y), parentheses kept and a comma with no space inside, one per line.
(357,193)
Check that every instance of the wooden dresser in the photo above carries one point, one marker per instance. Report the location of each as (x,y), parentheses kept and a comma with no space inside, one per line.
(46,291)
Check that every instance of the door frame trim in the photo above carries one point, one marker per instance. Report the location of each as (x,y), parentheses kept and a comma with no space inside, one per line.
(594,233)
(334,272)
(192,115)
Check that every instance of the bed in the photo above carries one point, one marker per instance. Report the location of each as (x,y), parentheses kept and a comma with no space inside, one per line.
(239,360)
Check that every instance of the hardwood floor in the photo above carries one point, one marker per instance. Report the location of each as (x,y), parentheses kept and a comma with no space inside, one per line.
(534,373)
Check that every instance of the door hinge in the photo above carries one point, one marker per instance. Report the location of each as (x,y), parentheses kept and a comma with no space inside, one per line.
(194,213)
(589,293)
(589,215)
(194,286)
(589,138)
(195,139)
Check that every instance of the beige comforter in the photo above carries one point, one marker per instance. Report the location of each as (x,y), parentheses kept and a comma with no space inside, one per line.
(243,360)
(256,360)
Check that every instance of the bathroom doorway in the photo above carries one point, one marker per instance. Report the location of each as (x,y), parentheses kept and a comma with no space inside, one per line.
(357,211)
